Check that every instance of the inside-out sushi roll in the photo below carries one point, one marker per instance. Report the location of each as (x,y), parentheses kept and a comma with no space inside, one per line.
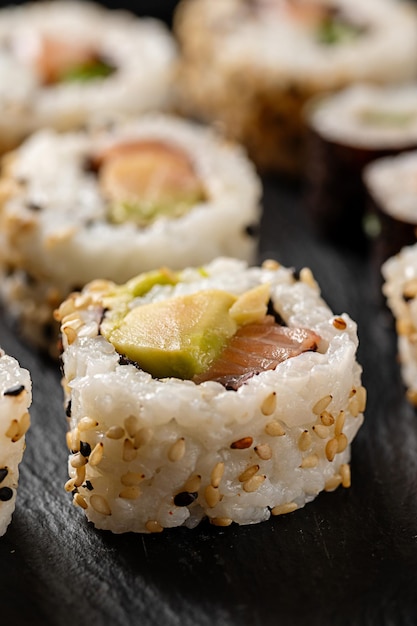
(111,203)
(251,65)
(392,196)
(64,63)
(348,130)
(15,401)
(400,289)
(224,391)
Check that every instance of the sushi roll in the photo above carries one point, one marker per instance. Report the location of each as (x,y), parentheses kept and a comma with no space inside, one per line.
(65,63)
(114,202)
(400,290)
(251,65)
(346,132)
(15,401)
(226,391)
(392,196)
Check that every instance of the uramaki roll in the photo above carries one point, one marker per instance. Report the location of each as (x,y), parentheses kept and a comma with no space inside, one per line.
(15,401)
(400,289)
(347,131)
(251,65)
(65,63)
(225,391)
(114,202)
(392,191)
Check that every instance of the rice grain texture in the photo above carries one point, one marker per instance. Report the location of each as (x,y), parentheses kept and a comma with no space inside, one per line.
(173,452)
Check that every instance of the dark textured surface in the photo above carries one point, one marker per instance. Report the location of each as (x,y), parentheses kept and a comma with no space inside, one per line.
(348,558)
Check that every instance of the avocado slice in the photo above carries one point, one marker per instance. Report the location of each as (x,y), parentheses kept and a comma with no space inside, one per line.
(178,337)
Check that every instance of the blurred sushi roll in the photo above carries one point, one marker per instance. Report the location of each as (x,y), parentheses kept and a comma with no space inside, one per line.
(114,202)
(400,289)
(391,184)
(15,401)
(251,65)
(227,391)
(347,131)
(64,63)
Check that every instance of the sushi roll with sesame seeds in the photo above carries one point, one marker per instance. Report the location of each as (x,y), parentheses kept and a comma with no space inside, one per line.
(114,202)
(400,290)
(226,391)
(251,65)
(347,131)
(65,63)
(15,401)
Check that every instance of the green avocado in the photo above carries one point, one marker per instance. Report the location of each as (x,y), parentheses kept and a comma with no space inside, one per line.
(178,337)
(119,297)
(144,211)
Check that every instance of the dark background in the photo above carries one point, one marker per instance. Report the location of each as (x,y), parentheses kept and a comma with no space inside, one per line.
(348,558)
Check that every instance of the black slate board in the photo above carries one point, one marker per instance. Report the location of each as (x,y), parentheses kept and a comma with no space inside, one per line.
(348,558)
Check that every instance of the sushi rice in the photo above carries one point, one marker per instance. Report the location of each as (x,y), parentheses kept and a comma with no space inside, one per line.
(400,290)
(252,65)
(142,51)
(15,401)
(56,233)
(152,453)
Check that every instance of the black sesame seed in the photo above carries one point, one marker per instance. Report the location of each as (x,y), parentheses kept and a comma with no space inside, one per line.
(16,390)
(252,230)
(68,409)
(6,493)
(85,448)
(34,206)
(3,473)
(88,485)
(185,498)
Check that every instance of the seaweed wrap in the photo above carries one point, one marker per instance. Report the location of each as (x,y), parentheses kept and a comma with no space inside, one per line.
(392,200)
(346,132)
(251,65)
(15,401)
(225,391)
(65,63)
(114,202)
(400,290)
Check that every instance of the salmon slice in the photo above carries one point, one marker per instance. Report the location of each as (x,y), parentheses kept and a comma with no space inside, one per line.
(144,179)
(52,57)
(301,11)
(256,348)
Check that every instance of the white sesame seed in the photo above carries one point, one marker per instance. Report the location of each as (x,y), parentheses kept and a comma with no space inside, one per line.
(248,473)
(212,496)
(217,474)
(304,441)
(96,454)
(281,509)
(100,504)
(253,483)
(269,404)
(274,429)
(264,451)
(177,450)
(322,405)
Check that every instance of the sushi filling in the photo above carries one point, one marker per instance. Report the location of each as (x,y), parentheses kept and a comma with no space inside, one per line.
(330,24)
(384,118)
(207,335)
(58,60)
(145,180)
